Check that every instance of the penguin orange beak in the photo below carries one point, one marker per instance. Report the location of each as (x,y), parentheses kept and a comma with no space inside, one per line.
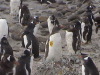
(80,56)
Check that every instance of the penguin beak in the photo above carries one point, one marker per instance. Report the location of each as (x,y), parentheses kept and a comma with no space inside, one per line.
(83,55)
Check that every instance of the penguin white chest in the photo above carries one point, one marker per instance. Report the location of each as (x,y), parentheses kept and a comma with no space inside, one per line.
(19,16)
(26,41)
(82,28)
(69,41)
(50,26)
(36,29)
(55,48)
(83,70)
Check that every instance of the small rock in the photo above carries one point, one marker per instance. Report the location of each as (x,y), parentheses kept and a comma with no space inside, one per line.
(42,18)
(44,24)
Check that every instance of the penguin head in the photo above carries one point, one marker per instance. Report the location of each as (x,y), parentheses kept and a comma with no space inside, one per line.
(86,58)
(27,52)
(90,7)
(4,41)
(36,18)
(83,55)
(8,60)
(53,19)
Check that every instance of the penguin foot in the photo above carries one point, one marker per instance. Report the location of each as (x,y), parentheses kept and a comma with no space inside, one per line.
(37,59)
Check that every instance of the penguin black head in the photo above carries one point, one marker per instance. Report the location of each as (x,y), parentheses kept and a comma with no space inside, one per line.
(83,55)
(4,41)
(52,17)
(27,52)
(90,7)
(8,60)
(36,18)
(86,58)
(54,20)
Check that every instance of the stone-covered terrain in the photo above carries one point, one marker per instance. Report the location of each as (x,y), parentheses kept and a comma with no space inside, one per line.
(64,11)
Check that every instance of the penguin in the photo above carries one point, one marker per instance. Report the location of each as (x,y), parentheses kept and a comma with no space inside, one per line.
(53,48)
(86,30)
(88,66)
(77,26)
(72,37)
(25,64)
(7,64)
(5,47)
(52,21)
(90,17)
(37,25)
(24,14)
(29,41)
(4,29)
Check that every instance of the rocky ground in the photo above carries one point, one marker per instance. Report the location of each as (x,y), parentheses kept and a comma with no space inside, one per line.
(64,11)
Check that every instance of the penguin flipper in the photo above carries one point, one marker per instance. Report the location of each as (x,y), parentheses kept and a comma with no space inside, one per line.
(23,45)
(46,48)
(28,68)
(28,44)
(86,71)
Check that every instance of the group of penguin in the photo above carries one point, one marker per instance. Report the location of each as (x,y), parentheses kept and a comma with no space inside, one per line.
(8,63)
(53,48)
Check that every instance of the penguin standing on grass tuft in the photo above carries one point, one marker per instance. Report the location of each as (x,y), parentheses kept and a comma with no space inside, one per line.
(53,46)
(88,67)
